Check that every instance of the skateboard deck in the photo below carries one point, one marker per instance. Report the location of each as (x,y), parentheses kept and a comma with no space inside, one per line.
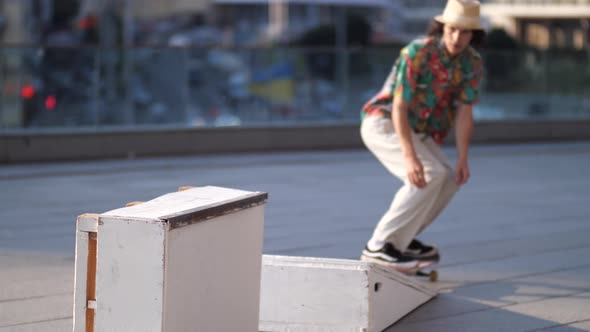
(432,274)
(416,271)
(421,271)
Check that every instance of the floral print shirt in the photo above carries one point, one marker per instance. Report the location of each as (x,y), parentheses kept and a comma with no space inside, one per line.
(432,83)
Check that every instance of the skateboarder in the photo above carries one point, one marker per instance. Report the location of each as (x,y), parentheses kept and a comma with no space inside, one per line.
(433,84)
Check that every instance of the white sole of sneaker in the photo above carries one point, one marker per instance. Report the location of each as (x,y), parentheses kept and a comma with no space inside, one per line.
(402,267)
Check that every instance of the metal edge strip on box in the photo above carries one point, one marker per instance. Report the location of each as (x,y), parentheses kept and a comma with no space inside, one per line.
(181,220)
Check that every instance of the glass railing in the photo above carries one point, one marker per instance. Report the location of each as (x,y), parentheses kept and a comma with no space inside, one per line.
(70,88)
(539,2)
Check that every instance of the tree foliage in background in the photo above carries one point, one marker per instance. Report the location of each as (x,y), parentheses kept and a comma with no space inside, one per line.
(64,11)
(499,39)
(358,33)
(512,67)
(504,55)
(323,63)
(567,71)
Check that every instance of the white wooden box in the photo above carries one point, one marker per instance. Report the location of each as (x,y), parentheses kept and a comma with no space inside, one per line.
(185,261)
(320,295)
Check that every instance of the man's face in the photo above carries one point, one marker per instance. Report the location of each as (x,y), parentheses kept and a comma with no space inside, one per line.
(456,39)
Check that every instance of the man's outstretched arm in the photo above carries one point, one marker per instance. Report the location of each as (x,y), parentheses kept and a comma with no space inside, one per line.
(463,133)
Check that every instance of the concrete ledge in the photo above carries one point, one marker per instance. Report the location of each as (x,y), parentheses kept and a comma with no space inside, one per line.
(18,147)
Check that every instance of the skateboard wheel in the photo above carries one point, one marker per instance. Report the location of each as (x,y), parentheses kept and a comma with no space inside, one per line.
(433,276)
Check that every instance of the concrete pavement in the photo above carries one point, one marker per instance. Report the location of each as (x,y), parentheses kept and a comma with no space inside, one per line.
(514,241)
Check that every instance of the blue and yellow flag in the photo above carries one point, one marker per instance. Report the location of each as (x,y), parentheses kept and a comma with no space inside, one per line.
(275,83)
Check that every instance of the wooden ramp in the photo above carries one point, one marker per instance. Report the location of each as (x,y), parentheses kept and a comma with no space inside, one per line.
(155,266)
(320,295)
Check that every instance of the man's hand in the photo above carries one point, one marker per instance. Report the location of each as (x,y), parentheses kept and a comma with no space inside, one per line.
(415,171)
(463,131)
(462,172)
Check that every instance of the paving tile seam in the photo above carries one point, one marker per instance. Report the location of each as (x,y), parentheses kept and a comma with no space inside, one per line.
(528,254)
(559,325)
(468,226)
(516,277)
(148,168)
(456,264)
(39,237)
(321,157)
(461,245)
(499,308)
(59,228)
(37,322)
(583,151)
(494,243)
(482,150)
(467,262)
(34,297)
(18,228)
(35,255)
(305,232)
(287,250)
(369,228)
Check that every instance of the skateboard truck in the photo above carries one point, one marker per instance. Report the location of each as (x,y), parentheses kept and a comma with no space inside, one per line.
(432,274)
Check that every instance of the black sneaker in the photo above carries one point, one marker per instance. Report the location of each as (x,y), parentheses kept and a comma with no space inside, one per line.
(421,251)
(390,256)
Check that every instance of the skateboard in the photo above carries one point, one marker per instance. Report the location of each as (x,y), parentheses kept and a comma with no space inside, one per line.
(422,272)
(419,270)
(432,275)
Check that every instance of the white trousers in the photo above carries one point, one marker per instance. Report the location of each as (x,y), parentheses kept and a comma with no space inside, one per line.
(413,208)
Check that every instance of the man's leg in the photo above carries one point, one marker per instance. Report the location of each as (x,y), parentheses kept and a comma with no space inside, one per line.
(411,205)
(410,211)
(449,187)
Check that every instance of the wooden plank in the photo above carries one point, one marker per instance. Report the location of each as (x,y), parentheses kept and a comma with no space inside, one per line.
(80,281)
(91,281)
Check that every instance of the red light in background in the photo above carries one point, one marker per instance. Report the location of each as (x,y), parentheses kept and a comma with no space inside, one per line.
(50,103)
(27,91)
(87,22)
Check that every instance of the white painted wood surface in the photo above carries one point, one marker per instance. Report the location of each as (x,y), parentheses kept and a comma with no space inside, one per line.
(130,275)
(185,261)
(303,294)
(219,290)
(183,202)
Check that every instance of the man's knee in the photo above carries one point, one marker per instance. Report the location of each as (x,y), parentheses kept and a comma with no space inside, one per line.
(440,174)
(447,178)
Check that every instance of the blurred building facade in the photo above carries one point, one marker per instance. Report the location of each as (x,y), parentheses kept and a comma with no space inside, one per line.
(538,23)
(161,63)
(284,20)
(543,23)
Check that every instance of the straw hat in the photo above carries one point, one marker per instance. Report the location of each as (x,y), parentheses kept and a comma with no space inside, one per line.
(462,14)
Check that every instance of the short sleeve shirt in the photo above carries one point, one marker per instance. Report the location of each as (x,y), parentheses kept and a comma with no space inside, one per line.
(433,84)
